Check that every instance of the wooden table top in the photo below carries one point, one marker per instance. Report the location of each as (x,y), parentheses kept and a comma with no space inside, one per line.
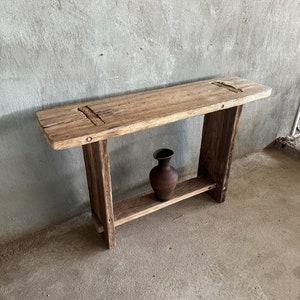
(87,122)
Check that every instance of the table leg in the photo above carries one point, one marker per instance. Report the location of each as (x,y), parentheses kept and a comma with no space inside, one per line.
(97,167)
(219,131)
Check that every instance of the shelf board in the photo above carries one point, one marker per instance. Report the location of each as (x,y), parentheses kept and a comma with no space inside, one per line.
(134,208)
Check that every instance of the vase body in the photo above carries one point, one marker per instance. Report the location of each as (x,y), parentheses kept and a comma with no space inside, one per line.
(163,177)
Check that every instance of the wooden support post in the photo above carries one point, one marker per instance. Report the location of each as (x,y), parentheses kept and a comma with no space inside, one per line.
(219,131)
(97,167)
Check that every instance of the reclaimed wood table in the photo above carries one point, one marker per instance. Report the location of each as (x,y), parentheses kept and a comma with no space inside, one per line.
(90,125)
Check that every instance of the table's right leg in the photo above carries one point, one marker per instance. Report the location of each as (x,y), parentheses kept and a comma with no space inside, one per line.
(219,131)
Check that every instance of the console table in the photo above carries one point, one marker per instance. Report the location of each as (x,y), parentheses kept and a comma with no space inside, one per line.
(90,125)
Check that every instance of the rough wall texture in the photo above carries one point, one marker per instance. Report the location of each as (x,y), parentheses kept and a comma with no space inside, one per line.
(56,52)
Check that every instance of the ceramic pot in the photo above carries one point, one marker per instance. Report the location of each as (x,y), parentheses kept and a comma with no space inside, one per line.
(163,177)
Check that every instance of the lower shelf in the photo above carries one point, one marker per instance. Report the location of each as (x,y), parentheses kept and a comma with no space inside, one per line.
(140,206)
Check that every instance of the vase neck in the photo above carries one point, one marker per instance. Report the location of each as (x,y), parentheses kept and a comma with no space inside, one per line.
(164,163)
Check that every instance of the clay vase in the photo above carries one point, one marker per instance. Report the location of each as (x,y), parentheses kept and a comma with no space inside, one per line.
(163,177)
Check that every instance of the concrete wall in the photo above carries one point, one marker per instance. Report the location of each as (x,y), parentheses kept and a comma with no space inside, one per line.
(57,51)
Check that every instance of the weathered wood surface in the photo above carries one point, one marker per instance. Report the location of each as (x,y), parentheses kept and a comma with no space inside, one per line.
(88,122)
(97,167)
(218,135)
(137,207)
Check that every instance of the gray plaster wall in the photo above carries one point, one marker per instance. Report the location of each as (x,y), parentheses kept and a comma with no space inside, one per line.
(58,52)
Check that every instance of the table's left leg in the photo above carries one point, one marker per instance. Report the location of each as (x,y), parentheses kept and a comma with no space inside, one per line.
(97,167)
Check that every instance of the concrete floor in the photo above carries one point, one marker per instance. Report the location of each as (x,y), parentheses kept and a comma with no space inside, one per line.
(246,248)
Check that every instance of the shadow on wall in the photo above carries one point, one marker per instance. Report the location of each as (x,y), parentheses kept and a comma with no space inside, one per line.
(38,185)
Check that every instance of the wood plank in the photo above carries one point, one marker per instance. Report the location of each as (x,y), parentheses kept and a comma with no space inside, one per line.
(70,126)
(97,166)
(140,206)
(218,135)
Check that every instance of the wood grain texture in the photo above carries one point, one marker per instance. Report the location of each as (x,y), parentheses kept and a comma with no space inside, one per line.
(88,122)
(140,206)
(97,167)
(218,135)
